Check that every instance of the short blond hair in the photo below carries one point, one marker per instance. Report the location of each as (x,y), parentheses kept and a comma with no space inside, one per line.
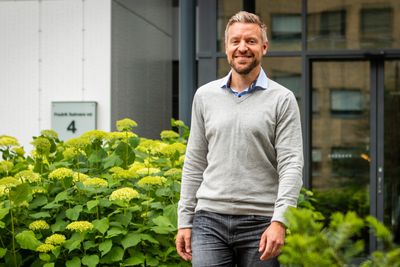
(247,17)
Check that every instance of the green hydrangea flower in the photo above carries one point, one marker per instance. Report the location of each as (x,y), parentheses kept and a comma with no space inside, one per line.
(94,135)
(6,166)
(70,153)
(148,171)
(119,135)
(80,226)
(49,133)
(79,177)
(173,172)
(151,180)
(19,151)
(95,182)
(77,143)
(45,248)
(28,176)
(42,145)
(55,239)
(9,181)
(125,125)
(125,194)
(171,149)
(61,173)
(120,173)
(150,146)
(7,141)
(39,225)
(168,134)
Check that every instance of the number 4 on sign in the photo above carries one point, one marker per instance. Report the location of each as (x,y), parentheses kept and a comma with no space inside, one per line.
(71,127)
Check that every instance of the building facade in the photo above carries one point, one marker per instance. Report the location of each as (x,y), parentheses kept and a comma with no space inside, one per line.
(144,59)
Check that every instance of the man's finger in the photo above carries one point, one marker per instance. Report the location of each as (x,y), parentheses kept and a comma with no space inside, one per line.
(268,251)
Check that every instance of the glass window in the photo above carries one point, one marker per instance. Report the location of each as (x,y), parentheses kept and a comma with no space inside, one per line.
(346,101)
(285,71)
(376,27)
(283,20)
(340,172)
(350,24)
(285,28)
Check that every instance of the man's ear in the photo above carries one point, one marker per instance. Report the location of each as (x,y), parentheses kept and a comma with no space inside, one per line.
(265,48)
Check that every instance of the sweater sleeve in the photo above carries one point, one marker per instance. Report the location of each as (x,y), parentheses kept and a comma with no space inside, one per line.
(289,154)
(194,165)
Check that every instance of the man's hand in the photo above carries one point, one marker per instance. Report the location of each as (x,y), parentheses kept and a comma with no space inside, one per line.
(184,243)
(272,240)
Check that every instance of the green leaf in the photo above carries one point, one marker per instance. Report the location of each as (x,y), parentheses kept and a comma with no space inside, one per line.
(73,214)
(38,202)
(89,244)
(163,225)
(61,196)
(51,205)
(124,219)
(90,260)
(59,226)
(3,212)
(43,214)
(150,261)
(115,255)
(148,238)
(97,156)
(112,160)
(130,240)
(105,247)
(115,231)
(75,262)
(171,212)
(20,193)
(137,259)
(3,252)
(134,141)
(101,225)
(44,256)
(50,264)
(27,240)
(56,251)
(92,203)
(73,243)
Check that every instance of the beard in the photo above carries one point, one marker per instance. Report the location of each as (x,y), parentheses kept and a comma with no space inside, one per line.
(244,70)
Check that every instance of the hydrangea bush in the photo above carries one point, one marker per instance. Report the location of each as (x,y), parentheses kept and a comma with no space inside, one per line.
(102,199)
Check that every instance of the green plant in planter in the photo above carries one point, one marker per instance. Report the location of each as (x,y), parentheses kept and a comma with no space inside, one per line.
(310,243)
(102,199)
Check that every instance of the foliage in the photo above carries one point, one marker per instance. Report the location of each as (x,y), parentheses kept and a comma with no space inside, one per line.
(310,242)
(102,199)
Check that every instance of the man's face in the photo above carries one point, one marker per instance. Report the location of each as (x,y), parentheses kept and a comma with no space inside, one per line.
(244,47)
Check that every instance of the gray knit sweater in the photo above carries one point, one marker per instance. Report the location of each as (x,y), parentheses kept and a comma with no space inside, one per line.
(244,155)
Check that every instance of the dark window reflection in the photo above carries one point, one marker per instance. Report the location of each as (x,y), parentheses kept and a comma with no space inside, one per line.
(376,26)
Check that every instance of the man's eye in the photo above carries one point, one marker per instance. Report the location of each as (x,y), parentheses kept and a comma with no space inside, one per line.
(252,41)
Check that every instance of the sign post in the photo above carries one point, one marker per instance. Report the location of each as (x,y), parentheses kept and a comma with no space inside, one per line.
(71,119)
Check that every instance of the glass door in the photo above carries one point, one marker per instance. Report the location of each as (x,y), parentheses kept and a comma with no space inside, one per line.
(355,138)
(391,161)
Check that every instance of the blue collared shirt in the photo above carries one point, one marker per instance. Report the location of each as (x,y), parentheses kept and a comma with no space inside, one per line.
(261,83)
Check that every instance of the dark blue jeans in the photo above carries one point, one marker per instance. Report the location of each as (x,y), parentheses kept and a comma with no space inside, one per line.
(228,240)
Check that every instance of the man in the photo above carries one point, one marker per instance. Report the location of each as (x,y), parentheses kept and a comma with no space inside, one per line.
(243,164)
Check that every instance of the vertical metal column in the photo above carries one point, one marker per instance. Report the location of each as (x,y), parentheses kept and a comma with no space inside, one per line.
(187,58)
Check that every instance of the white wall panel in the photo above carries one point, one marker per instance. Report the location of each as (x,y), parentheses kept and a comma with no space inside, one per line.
(19,90)
(62,76)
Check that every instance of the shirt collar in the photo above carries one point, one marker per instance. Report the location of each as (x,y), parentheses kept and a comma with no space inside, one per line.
(260,83)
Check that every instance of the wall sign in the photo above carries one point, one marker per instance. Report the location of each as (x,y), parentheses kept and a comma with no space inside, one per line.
(71,119)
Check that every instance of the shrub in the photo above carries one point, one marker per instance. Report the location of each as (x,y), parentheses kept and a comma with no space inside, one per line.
(104,198)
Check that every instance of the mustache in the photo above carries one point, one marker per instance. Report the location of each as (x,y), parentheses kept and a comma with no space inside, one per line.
(246,54)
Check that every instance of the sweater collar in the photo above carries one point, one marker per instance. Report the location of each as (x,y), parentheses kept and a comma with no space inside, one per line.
(262,81)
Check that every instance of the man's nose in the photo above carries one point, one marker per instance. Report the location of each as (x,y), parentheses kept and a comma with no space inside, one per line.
(242,46)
